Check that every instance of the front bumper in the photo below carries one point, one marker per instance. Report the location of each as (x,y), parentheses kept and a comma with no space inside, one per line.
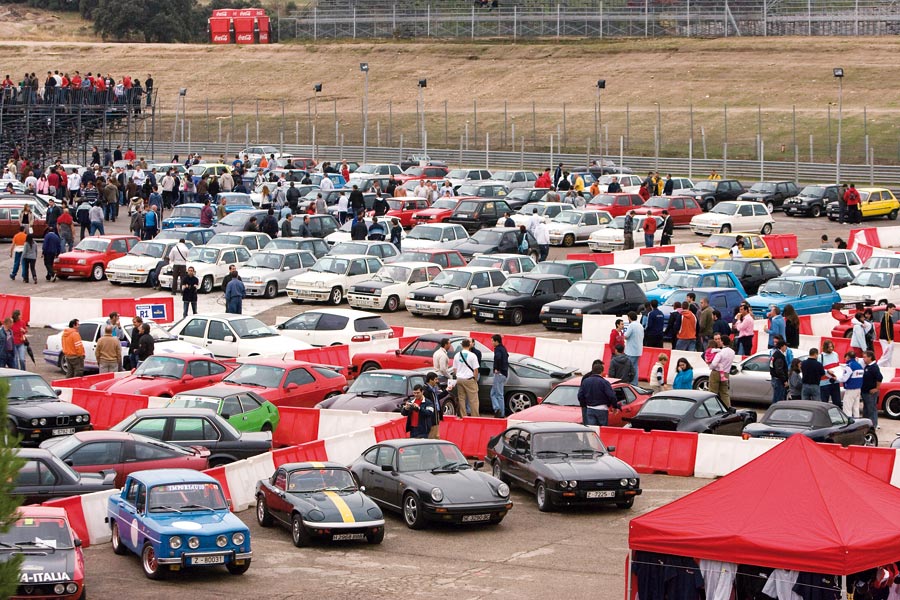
(255,289)
(71,270)
(428,308)
(36,435)
(313,295)
(483,512)
(366,301)
(580,496)
(165,280)
(186,559)
(557,238)
(494,313)
(127,276)
(605,246)
(340,531)
(706,229)
(562,321)
(796,210)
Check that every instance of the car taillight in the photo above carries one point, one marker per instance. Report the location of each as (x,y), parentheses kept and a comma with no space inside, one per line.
(361,338)
(391,333)
(745,436)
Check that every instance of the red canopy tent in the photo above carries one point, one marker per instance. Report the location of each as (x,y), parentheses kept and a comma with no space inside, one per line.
(796,507)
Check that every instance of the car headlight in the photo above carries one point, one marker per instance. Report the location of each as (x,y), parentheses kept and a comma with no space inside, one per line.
(623,482)
(503,490)
(563,484)
(502,305)
(78,418)
(82,261)
(59,588)
(238,538)
(316,515)
(174,542)
(544,309)
(193,542)
(439,299)
(576,311)
(256,280)
(409,296)
(352,290)
(437,494)
(85,418)
(34,422)
(320,284)
(43,422)
(633,481)
(222,541)
(573,485)
(71,588)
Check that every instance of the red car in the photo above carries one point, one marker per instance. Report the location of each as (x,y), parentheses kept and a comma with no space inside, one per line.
(405,208)
(93,451)
(169,374)
(288,382)
(417,355)
(615,204)
(561,404)
(448,259)
(438,211)
(416,173)
(844,328)
(681,208)
(91,256)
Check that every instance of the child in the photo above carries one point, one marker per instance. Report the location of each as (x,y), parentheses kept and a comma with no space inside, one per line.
(658,376)
(711,350)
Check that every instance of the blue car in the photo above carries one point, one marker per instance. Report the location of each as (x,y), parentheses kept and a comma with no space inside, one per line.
(198,236)
(336,178)
(235,201)
(809,295)
(724,300)
(184,215)
(693,278)
(176,518)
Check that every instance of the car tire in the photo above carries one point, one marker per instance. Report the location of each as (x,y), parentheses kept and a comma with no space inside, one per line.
(892,215)
(61,362)
(519,401)
(871,439)
(626,504)
(517,317)
(568,240)
(392,304)
(709,205)
(117,545)
(891,406)
(479,319)
(369,366)
(412,511)
(497,472)
(449,408)
(151,566)
(271,290)
(299,535)
(62,277)
(544,501)
(376,538)
(815,211)
(219,462)
(766,229)
(725,229)
(701,383)
(206,286)
(236,569)
(336,296)
(770,206)
(98,272)
(456,310)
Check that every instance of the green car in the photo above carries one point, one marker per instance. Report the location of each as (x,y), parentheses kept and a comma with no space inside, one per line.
(244,409)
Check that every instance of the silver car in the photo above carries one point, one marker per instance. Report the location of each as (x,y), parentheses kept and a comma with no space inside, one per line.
(268,271)
(576,226)
(750,381)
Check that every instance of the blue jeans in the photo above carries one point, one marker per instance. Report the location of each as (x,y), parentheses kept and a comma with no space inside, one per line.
(779,391)
(687,345)
(810,391)
(17,261)
(597,417)
(96,226)
(19,351)
(648,240)
(497,393)
(634,362)
(870,407)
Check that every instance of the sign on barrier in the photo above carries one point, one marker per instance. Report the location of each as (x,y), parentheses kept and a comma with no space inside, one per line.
(160,309)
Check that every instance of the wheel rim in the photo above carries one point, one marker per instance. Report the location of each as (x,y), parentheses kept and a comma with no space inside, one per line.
(519,401)
(495,471)
(207,284)
(892,406)
(456,311)
(295,530)
(392,303)
(336,295)
(816,211)
(770,206)
(369,367)
(115,536)
(541,494)
(569,240)
(517,317)
(767,229)
(703,384)
(98,272)
(449,409)
(150,562)
(870,439)
(410,509)
(271,290)
(726,229)
(260,510)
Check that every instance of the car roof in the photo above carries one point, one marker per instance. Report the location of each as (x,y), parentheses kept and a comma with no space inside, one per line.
(283,251)
(549,426)
(151,477)
(102,434)
(189,229)
(687,394)
(404,442)
(242,233)
(502,256)
(34,453)
(411,264)
(804,404)
(224,316)
(214,391)
(191,205)
(41,512)
(349,256)
(175,412)
(802,278)
(4,373)
(668,255)
(366,242)
(733,259)
(475,269)
(625,266)
(344,312)
(538,276)
(325,464)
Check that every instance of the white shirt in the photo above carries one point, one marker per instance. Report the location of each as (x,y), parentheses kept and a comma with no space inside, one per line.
(533,220)
(327,185)
(441,362)
(31,181)
(465,364)
(736,251)
(541,234)
(178,254)
(719,578)
(780,585)
(422,192)
(74,181)
(138,177)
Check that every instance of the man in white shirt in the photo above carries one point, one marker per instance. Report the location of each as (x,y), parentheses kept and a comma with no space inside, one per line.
(73,186)
(178,259)
(326,185)
(138,177)
(465,364)
(533,220)
(421,190)
(720,369)
(441,359)
(737,247)
(542,236)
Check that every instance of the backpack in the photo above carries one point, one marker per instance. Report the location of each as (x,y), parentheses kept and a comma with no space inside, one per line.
(523,245)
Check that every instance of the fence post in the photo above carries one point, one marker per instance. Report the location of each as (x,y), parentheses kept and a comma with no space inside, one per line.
(646,18)
(460,149)
(315,24)
(551,153)
(354,22)
(762,160)
(446,126)
(688,18)
(796,163)
(401,146)
(557,21)
(522,154)
(473,21)
(810,148)
(621,150)
(515,30)
(487,150)
(512,137)
(475,122)
(428,25)
(690,158)
(871,166)
(565,133)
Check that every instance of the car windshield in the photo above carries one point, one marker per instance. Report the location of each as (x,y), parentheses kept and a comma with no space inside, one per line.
(502,175)
(236,219)
(161,366)
(781,287)
(305,481)
(609,273)
(813,191)
(518,285)
(430,457)
(563,395)
(257,375)
(425,232)
(393,273)
(251,328)
(735,266)
(551,268)
(26,387)
(284,244)
(151,249)
(486,260)
(92,245)
(202,254)
(235,200)
(444,204)
(790,416)
(657,202)
(763,187)
(681,296)
(603,199)
(452,279)
(660,263)
(190,212)
(487,238)
(182,497)
(458,174)
(568,217)
(724,208)
(374,383)
(350,248)
(158,333)
(468,190)
(666,405)
(585,290)
(467,206)
(814,257)
(567,442)
(189,401)
(719,241)
(367,170)
(619,223)
(874,279)
(225,238)
(328,264)
(882,262)
(265,260)
(680,280)
(40,532)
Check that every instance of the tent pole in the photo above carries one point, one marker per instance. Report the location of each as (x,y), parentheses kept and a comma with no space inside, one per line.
(628,575)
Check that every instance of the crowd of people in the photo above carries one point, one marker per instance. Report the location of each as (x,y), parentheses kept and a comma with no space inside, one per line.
(74,88)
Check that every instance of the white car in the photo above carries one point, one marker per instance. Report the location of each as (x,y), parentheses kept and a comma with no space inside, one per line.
(665,263)
(387,289)
(576,226)
(451,293)
(830,256)
(646,277)
(343,234)
(729,216)
(233,336)
(510,264)
(329,279)
(256,152)
(545,210)
(457,177)
(630,183)
(873,286)
(375,170)
(514,179)
(210,264)
(612,237)
(268,271)
(335,326)
(386,251)
(251,240)
(141,263)
(434,235)
(92,330)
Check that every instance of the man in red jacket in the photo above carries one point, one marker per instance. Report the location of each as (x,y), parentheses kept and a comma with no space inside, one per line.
(544,180)
(851,199)
(649,230)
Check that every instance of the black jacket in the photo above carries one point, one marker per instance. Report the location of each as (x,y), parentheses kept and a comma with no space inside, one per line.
(359,231)
(887,327)
(501,360)
(621,368)
(668,228)
(669,187)
(596,391)
(778,367)
(381,207)
(426,418)
(811,371)
(293,197)
(269,225)
(356,201)
(145,346)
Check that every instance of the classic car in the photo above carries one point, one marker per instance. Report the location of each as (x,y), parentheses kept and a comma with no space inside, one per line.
(43,476)
(437,212)
(433,235)
(572,227)
(10,211)
(749,381)
(690,410)
(404,209)
(375,169)
(320,226)
(197,236)
(891,261)
(237,221)
(819,421)
(267,272)
(812,200)
(808,295)
(208,169)
(751,272)
(211,263)
(710,193)
(496,240)
(91,255)
(545,210)
(681,208)
(734,216)
(592,297)
(612,237)
(385,251)
(665,262)
(143,263)
(563,464)
(457,177)
(287,382)
(342,232)
(388,288)
(251,240)
(723,299)
(416,355)
(334,326)
(680,280)
(873,286)
(123,453)
(839,276)
(184,215)
(382,390)
(520,298)
(34,410)
(829,256)
(318,500)
(772,194)
(514,179)
(718,246)
(446,259)
(629,182)
(523,198)
(430,480)
(616,204)
(315,246)
(176,518)
(235,201)
(230,336)
(329,279)
(873,203)
(646,277)
(561,404)
(450,294)
(241,406)
(476,213)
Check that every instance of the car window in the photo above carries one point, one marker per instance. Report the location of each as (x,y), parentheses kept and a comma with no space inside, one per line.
(35,472)
(757,363)
(454,259)
(329,322)
(836,416)
(292,261)
(677,203)
(228,257)
(758,243)
(760,210)
(809,288)
(118,246)
(510,438)
(357,267)
(374,264)
(702,412)
(218,330)
(839,258)
(304,322)
(423,348)
(371,455)
(634,276)
(151,427)
(97,453)
(280,479)
(822,287)
(189,429)
(677,264)
(714,406)
(299,376)
(770,269)
(149,451)
(385,456)
(88,331)
(615,293)
(561,285)
(650,275)
(497,278)
(199,368)
(480,281)
(852,259)
(432,272)
(589,218)
(745,211)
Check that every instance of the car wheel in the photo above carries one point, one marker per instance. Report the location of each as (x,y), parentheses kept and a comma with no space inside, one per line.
(449,408)
(544,501)
(892,406)
(815,211)
(479,319)
(271,290)
(369,366)
(519,401)
(206,286)
(497,472)
(517,317)
(710,204)
(568,240)
(892,215)
(236,569)
(412,512)
(337,295)
(770,206)
(117,545)
(392,304)
(150,564)
(626,504)
(701,383)
(263,517)
(725,229)
(871,439)
(377,537)
(61,362)
(295,301)
(767,229)
(62,277)
(848,334)
(456,310)
(266,427)
(219,462)
(98,273)
(299,535)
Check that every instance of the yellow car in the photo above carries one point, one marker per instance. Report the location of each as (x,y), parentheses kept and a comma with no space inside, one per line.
(718,246)
(873,202)
(209,169)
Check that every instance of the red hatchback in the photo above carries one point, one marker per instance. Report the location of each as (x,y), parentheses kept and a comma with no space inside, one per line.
(405,208)
(448,259)
(93,451)
(91,256)
(561,404)
(438,211)
(416,173)
(615,204)
(288,382)
(681,208)
(169,374)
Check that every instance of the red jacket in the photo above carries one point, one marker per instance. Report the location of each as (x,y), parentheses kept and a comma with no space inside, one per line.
(851,197)
(650,224)
(644,193)
(543,181)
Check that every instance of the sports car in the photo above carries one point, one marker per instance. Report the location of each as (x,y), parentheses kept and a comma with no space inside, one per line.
(43,476)
(430,480)
(561,404)
(416,355)
(34,410)
(244,409)
(819,421)
(165,375)
(287,382)
(143,263)
(91,256)
(563,464)
(318,500)
(690,410)
(383,390)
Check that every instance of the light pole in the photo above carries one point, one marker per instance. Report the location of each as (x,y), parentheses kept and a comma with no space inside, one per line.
(179,102)
(839,73)
(317,88)
(601,85)
(364,67)
(423,83)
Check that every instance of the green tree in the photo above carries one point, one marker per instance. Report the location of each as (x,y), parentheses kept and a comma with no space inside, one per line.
(148,20)
(9,469)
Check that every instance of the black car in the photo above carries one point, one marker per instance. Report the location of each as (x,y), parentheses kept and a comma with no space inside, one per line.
(44,476)
(476,213)
(519,197)
(592,297)
(188,427)
(812,200)
(698,411)
(319,225)
(35,412)
(496,240)
(520,298)
(197,236)
(430,480)
(380,390)
(752,272)
(819,421)
(562,464)
(478,189)
(840,276)
(771,193)
(238,220)
(711,192)
(318,247)
(574,270)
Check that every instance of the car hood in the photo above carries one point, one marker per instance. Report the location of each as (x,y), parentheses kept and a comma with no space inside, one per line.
(660,294)
(431,291)
(764,299)
(388,403)
(312,277)
(570,304)
(210,523)
(460,487)
(78,254)
(659,422)
(561,228)
(358,503)
(134,262)
(709,218)
(497,297)
(415,244)
(861,291)
(605,467)
(608,235)
(133,385)
(711,252)
(435,212)
(222,228)
(42,566)
(754,196)
(248,272)
(35,409)
(371,285)
(472,248)
(179,347)
(274,344)
(550,412)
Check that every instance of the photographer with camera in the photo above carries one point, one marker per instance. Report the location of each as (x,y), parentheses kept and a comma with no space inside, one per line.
(420,414)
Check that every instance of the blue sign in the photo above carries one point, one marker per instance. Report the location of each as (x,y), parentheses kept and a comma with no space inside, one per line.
(154,312)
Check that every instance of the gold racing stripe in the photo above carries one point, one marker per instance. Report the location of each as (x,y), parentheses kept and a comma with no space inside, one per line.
(346,513)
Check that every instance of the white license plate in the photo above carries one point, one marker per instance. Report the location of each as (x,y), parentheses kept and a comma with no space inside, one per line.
(610,494)
(476,518)
(347,536)
(771,437)
(66,270)
(207,560)
(484,314)
(304,293)
(557,320)
(66,431)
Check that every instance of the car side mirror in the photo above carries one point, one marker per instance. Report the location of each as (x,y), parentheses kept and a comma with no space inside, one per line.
(228,338)
(478,465)
(851,420)
(362,488)
(610,449)
(57,391)
(388,468)
(187,378)
(731,410)
(345,388)
(540,399)
(69,462)
(77,543)
(291,386)
(226,416)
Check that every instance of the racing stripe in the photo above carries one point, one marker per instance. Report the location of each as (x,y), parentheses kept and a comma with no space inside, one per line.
(346,513)
(317,465)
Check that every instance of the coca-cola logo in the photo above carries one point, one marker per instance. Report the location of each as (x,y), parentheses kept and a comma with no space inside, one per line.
(245,13)
(245,37)
(220,38)
(263,37)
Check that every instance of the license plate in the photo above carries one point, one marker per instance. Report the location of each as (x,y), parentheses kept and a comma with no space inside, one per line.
(207,560)
(347,536)
(484,314)
(610,494)
(557,320)
(66,270)
(66,431)
(304,293)
(771,437)
(475,518)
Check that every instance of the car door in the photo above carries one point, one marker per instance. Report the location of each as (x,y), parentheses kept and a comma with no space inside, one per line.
(275,493)
(330,329)
(744,219)
(89,333)
(589,224)
(93,456)
(543,293)
(841,431)
(302,327)
(387,483)
(480,283)
(614,301)
(194,431)
(824,292)
(722,420)
(127,513)
(221,340)
(752,381)
(842,277)
(37,482)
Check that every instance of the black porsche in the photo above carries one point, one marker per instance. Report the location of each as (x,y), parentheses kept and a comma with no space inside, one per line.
(35,412)
(690,410)
(430,480)
(819,421)
(44,476)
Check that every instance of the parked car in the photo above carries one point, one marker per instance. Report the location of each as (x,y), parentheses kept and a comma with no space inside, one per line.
(210,263)
(237,221)
(320,226)
(251,240)
(457,177)
(166,509)
(10,222)
(34,411)
(545,210)
(184,215)
(522,197)
(514,179)
(196,236)
(231,336)
(680,280)
(718,246)
(873,286)
(450,293)
(446,259)
(164,375)
(436,483)
(335,326)
(573,270)
(808,295)
(771,193)
(243,408)
(882,262)
(749,380)
(388,288)
(520,298)
(563,464)
(235,201)
(365,170)
(629,182)
(475,214)
(143,263)
(819,421)
(751,272)
(342,234)
(725,300)
(318,500)
(681,208)
(315,246)
(404,209)
(812,200)
(616,204)
(561,404)
(379,390)
(664,263)
(646,277)
(691,410)
(592,297)
(43,476)
(416,355)
(874,202)
(612,237)
(484,189)
(712,192)
(436,235)
(496,240)
(385,251)
(418,173)
(572,227)
(286,382)
(734,216)
(268,271)
(437,212)
(830,256)
(329,279)
(510,264)
(91,255)
(840,276)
